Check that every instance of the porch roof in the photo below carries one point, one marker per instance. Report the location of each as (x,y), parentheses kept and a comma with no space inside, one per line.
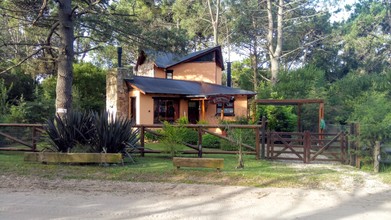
(149,85)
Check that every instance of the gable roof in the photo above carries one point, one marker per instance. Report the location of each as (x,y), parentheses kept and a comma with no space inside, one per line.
(149,85)
(166,60)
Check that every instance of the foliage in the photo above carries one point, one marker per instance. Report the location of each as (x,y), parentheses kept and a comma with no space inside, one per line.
(112,135)
(18,113)
(302,83)
(210,141)
(89,87)
(65,132)
(373,112)
(173,137)
(95,132)
(20,84)
(90,82)
(4,104)
(237,136)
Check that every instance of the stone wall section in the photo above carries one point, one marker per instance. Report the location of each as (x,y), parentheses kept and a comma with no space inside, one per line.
(117,100)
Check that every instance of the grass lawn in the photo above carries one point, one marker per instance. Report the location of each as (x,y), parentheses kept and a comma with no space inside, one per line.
(159,168)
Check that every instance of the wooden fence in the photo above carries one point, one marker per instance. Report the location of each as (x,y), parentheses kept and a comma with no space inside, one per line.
(26,135)
(258,149)
(302,146)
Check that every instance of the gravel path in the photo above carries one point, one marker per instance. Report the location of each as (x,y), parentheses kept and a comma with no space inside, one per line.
(29,198)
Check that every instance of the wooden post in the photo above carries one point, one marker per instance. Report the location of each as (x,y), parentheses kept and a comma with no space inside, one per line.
(199,142)
(142,140)
(299,117)
(269,145)
(376,153)
(34,139)
(321,117)
(263,137)
(307,146)
(357,143)
(203,110)
(343,138)
(346,148)
(257,143)
(352,146)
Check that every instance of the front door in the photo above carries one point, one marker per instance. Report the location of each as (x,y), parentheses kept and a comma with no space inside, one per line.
(194,112)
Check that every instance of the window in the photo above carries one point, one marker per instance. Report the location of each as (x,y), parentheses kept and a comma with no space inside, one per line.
(206,58)
(165,110)
(169,74)
(228,108)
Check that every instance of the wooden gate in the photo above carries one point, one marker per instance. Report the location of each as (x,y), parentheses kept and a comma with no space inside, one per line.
(306,146)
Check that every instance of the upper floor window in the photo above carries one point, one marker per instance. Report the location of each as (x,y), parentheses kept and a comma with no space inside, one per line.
(206,58)
(169,74)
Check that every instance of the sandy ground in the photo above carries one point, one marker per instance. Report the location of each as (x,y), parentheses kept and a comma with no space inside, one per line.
(29,198)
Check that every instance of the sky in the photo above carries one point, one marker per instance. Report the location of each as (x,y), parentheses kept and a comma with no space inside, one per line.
(343,14)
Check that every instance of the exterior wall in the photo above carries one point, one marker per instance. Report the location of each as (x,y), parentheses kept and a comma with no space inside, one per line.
(159,73)
(147,69)
(117,100)
(183,108)
(145,108)
(197,71)
(240,110)
(203,72)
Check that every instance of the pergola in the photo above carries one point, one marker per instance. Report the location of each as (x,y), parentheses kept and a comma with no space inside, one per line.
(299,103)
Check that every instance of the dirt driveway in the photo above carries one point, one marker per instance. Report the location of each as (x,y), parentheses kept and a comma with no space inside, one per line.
(28,198)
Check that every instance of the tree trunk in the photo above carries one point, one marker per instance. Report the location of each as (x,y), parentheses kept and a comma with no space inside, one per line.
(214,19)
(275,52)
(274,68)
(65,58)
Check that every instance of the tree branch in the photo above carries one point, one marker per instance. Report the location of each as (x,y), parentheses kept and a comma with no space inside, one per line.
(22,61)
(43,7)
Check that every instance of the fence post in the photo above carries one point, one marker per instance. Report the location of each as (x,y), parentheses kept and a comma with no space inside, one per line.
(376,154)
(257,143)
(269,145)
(307,146)
(354,145)
(142,140)
(199,142)
(263,137)
(34,139)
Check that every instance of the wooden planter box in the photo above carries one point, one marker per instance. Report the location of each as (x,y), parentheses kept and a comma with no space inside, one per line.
(55,157)
(217,163)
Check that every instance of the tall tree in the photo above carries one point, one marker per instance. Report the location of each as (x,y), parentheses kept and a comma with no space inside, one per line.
(246,19)
(275,47)
(52,25)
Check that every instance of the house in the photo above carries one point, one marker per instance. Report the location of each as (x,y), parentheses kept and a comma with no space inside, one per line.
(166,86)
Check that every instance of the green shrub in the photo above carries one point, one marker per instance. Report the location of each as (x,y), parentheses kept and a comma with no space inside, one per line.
(228,146)
(149,137)
(173,137)
(210,141)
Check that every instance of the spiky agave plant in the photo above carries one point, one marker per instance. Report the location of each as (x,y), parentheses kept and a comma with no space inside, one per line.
(113,134)
(67,131)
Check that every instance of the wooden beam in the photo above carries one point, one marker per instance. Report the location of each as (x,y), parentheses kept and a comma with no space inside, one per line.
(203,110)
(217,163)
(16,140)
(288,101)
